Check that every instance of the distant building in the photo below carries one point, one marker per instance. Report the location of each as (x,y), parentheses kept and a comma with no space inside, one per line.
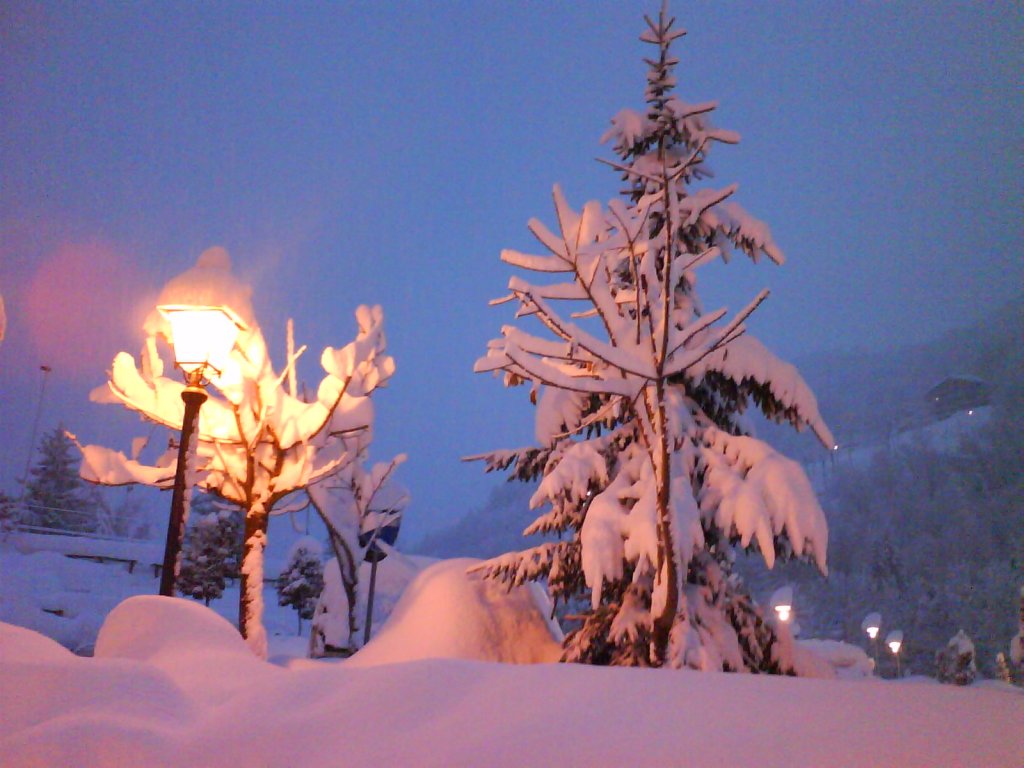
(958,393)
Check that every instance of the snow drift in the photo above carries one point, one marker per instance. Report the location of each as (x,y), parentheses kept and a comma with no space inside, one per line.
(448,613)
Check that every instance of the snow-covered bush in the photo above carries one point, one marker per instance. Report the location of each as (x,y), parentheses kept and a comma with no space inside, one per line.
(330,632)
(649,478)
(1003,671)
(259,444)
(955,662)
(302,578)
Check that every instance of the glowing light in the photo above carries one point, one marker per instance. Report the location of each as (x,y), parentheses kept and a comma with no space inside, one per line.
(202,336)
(894,640)
(871,624)
(782,602)
(970,412)
(835,447)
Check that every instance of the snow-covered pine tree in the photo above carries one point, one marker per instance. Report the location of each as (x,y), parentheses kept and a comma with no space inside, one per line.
(302,578)
(650,477)
(211,551)
(55,496)
(956,662)
(9,517)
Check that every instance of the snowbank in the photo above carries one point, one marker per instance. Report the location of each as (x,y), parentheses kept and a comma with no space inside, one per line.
(447,613)
(847,661)
(171,686)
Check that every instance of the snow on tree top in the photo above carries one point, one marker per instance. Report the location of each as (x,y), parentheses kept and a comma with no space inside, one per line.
(209,283)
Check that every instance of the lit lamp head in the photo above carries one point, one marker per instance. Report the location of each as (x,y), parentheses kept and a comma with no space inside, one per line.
(782,602)
(894,640)
(202,337)
(871,624)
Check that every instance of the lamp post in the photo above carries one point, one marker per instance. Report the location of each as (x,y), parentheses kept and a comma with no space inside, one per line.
(202,338)
(895,641)
(872,624)
(782,602)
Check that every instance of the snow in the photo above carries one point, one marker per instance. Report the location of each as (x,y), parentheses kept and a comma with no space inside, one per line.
(210,283)
(174,686)
(847,661)
(143,552)
(449,613)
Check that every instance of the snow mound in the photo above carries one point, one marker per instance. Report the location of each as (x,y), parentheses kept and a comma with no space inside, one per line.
(24,645)
(56,707)
(847,661)
(148,627)
(188,642)
(449,613)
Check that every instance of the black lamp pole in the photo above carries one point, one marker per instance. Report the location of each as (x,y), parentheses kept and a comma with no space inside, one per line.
(194,396)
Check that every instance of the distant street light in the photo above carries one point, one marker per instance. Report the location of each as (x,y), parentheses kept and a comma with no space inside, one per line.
(872,624)
(782,602)
(895,641)
(202,337)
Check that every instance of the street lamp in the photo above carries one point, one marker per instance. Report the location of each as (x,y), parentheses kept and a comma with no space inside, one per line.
(782,602)
(872,624)
(895,641)
(202,337)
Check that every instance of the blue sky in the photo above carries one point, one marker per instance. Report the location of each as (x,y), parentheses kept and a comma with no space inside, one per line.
(386,153)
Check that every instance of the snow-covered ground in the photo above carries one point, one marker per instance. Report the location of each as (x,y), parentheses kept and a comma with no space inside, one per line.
(67,598)
(172,684)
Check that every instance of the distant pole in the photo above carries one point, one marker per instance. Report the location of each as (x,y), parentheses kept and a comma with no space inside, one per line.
(35,428)
(369,601)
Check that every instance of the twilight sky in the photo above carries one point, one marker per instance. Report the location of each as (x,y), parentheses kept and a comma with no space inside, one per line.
(386,152)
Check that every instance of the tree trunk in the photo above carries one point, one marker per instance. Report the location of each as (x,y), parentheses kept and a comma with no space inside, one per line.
(666,550)
(250,606)
(349,570)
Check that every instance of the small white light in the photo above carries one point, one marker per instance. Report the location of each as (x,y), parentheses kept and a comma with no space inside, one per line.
(970,412)
(894,640)
(871,624)
(782,602)
(835,447)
